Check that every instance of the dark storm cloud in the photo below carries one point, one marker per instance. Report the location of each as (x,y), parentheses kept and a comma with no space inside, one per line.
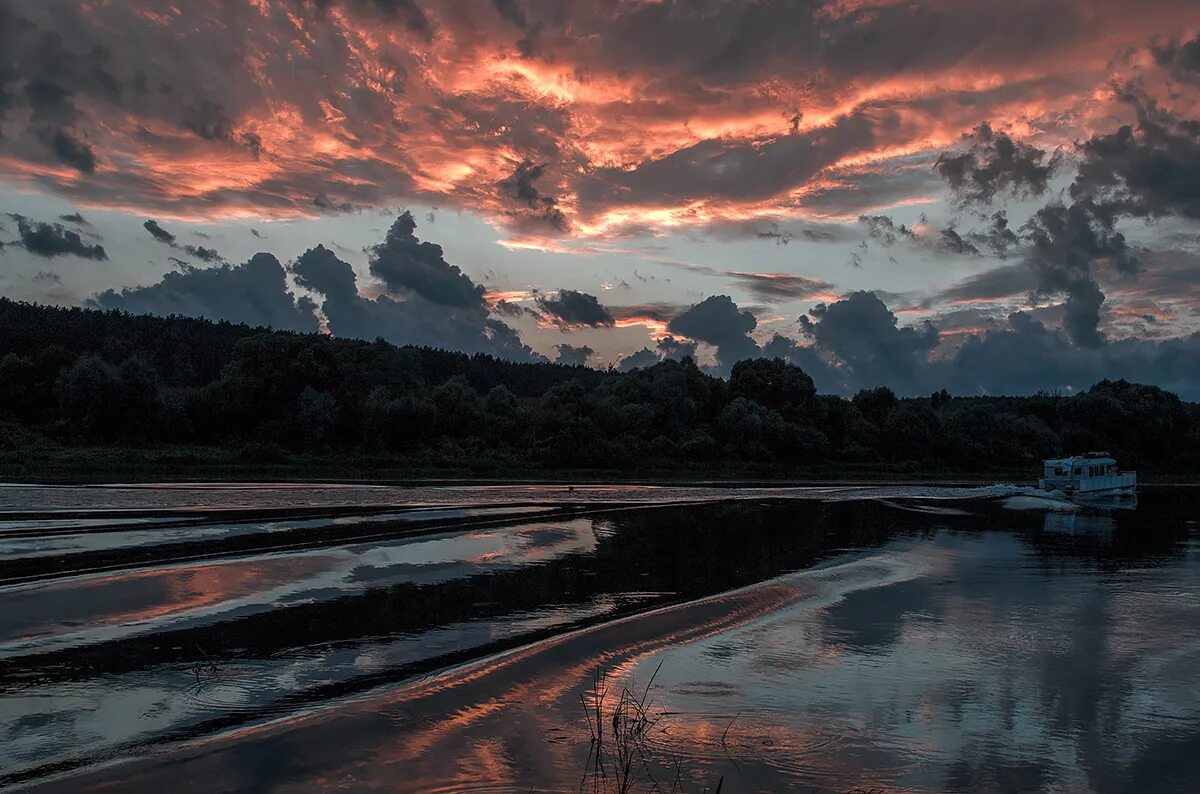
(1150,169)
(53,75)
(1027,357)
(666,349)
(319,270)
(638,360)
(826,377)
(1182,59)
(863,334)
(159,233)
(207,120)
(718,321)
(671,348)
(857,343)
(254,293)
(573,356)
(429,303)
(70,150)
(571,309)
(75,218)
(1067,243)
(536,206)
(996,164)
(53,239)
(406,264)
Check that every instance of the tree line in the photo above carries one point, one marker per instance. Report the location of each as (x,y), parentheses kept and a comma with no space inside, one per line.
(74,377)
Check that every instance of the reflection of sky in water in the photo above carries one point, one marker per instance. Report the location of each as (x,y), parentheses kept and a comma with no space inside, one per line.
(964,660)
(87,609)
(993,669)
(93,541)
(45,722)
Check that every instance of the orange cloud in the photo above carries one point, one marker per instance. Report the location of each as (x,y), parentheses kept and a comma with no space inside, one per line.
(639,126)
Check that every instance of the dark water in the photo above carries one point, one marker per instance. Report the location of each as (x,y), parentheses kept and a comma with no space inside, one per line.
(903,639)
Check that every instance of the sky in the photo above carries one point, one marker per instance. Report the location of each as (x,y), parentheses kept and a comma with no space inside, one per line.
(993,197)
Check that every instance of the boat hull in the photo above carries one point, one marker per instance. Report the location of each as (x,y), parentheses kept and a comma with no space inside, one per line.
(1124,482)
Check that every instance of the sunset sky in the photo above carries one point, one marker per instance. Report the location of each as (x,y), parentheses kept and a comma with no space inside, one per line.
(995,196)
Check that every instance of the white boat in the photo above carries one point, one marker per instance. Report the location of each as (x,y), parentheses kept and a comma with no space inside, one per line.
(1094,472)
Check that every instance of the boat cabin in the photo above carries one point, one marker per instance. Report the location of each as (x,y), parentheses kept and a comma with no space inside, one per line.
(1095,471)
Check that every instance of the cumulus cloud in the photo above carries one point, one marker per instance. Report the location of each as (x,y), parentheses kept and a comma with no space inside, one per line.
(408,266)
(53,239)
(1067,243)
(573,356)
(863,335)
(428,301)
(666,349)
(718,321)
(677,349)
(1028,357)
(996,164)
(570,309)
(857,343)
(254,293)
(638,360)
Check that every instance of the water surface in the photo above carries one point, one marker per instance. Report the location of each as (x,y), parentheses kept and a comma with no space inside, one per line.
(907,638)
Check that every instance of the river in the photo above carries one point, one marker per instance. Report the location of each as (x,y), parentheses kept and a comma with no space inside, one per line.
(450,638)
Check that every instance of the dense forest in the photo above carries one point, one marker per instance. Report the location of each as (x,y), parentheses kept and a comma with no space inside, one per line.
(90,388)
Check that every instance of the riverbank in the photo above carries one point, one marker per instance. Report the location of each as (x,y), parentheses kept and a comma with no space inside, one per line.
(88,464)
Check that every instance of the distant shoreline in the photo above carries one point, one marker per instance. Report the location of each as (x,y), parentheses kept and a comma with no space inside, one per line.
(98,465)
